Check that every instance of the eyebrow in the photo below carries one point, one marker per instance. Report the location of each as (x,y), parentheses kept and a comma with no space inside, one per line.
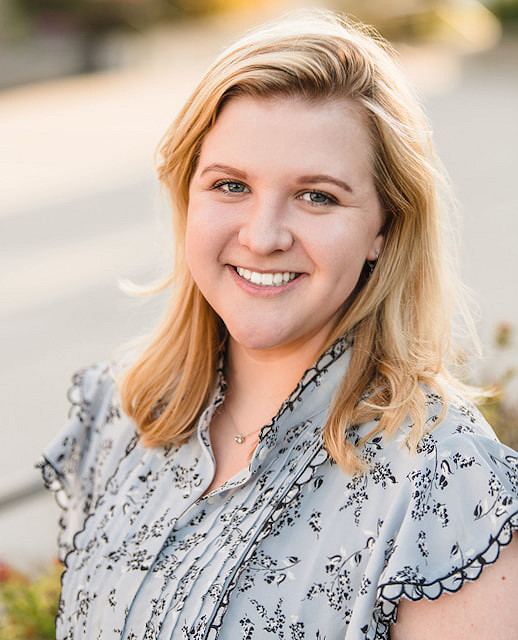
(225,168)
(325,178)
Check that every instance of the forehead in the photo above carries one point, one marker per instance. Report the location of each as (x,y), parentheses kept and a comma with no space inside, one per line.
(290,132)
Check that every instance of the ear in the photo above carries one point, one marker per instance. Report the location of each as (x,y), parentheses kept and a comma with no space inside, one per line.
(376,248)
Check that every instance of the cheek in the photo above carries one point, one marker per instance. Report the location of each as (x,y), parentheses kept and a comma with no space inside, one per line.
(195,243)
(341,249)
(204,241)
(190,241)
(198,230)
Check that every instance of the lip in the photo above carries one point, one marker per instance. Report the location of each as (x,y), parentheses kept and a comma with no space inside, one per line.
(266,291)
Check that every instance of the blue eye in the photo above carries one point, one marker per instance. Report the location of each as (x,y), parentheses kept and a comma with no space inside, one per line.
(317,198)
(230,186)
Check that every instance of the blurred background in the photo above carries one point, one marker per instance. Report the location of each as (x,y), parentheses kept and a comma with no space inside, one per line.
(87,88)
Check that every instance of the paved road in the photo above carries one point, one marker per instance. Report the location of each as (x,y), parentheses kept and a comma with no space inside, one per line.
(477,134)
(64,248)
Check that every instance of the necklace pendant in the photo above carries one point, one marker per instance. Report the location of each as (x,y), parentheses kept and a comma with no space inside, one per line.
(239,439)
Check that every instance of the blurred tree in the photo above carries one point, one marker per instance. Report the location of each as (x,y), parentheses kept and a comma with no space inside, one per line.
(464,24)
(89,20)
(506,10)
(28,607)
(500,407)
(93,20)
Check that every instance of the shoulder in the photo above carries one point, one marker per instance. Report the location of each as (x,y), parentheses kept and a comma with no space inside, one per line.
(93,408)
(461,480)
(484,608)
(91,388)
(84,454)
(455,433)
(453,503)
(460,450)
(457,442)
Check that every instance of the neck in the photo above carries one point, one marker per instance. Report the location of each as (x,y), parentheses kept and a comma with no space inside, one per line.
(259,380)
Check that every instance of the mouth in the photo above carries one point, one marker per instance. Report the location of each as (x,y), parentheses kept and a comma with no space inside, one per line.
(269,279)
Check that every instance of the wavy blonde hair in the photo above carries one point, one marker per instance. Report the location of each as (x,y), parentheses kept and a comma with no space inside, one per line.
(400,317)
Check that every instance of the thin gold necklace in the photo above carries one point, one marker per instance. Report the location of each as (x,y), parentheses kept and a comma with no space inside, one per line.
(239,438)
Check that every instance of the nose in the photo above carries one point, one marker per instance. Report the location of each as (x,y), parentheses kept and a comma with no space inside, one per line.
(265,228)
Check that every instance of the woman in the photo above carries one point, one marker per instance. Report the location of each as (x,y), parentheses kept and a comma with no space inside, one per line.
(311,284)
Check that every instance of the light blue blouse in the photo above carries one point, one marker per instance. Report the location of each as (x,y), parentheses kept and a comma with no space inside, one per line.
(291,548)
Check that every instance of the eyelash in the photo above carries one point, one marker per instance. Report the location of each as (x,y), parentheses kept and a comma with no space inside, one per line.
(221,183)
(330,199)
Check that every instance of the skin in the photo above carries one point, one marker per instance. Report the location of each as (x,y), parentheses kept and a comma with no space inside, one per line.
(259,199)
(256,201)
(481,610)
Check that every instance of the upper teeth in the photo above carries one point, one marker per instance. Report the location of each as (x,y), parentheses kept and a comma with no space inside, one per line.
(266,279)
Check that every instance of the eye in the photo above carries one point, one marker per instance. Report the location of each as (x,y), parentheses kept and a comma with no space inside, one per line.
(230,186)
(318,198)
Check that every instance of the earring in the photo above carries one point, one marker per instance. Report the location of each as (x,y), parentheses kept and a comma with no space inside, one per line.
(372,263)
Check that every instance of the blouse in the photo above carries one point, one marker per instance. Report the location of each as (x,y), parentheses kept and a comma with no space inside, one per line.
(290,548)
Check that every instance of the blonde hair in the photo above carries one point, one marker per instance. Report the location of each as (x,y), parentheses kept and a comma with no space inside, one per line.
(400,317)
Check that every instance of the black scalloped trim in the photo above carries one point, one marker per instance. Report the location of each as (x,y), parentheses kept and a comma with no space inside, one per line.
(387,608)
(53,481)
(305,475)
(312,375)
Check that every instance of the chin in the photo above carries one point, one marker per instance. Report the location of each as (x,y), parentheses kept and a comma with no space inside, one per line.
(259,339)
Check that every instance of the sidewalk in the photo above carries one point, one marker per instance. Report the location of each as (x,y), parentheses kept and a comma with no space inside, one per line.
(64,138)
(70,136)
(69,145)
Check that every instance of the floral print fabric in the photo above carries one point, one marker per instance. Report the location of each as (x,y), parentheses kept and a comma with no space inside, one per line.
(290,548)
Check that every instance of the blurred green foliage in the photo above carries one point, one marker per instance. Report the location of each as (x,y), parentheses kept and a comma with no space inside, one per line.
(498,408)
(104,15)
(88,23)
(467,26)
(400,19)
(28,607)
(506,10)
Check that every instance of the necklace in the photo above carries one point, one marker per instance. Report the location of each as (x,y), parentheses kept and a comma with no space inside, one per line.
(239,438)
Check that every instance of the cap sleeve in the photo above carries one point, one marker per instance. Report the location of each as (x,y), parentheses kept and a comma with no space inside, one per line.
(70,463)
(459,508)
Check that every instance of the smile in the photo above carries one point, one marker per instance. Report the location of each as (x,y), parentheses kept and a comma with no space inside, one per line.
(274,279)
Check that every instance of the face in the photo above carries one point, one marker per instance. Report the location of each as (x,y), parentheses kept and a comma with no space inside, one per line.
(282,215)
